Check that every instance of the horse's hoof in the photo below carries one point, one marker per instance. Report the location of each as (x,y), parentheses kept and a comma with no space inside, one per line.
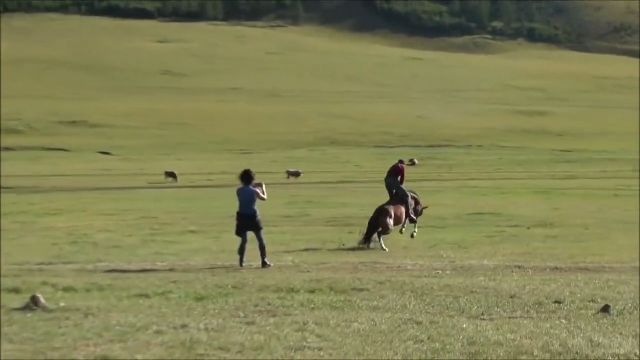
(401,231)
(413,235)
(385,250)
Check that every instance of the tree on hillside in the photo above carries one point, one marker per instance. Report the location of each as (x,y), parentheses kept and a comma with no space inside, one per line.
(526,11)
(218,9)
(503,11)
(454,7)
(555,21)
(477,12)
(298,11)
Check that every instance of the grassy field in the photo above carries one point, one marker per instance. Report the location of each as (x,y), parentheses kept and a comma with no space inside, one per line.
(528,160)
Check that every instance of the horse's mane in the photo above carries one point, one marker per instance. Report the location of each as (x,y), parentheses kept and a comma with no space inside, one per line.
(415,196)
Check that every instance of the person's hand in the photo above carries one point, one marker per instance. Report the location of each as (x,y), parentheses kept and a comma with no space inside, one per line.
(261,190)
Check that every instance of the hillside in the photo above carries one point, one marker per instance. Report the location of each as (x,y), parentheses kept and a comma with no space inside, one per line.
(598,26)
(196,63)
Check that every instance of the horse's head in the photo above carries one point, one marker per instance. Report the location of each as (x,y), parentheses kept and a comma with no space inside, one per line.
(418,206)
(418,209)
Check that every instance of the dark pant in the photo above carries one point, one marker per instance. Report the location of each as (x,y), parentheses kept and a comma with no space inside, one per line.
(261,245)
(394,188)
(244,224)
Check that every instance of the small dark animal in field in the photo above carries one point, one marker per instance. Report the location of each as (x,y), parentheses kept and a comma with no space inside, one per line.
(105,153)
(171,175)
(35,302)
(605,309)
(293,173)
(412,162)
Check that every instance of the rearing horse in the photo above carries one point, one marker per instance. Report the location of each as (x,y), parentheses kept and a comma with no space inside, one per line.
(390,214)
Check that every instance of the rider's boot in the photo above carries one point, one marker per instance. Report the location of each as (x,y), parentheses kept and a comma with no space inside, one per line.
(412,218)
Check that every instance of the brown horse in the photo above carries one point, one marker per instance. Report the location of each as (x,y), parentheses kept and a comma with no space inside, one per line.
(388,215)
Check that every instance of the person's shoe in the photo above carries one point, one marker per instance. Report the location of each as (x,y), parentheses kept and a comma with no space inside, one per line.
(266,264)
(241,261)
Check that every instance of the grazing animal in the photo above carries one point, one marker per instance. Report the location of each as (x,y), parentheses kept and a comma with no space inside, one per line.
(35,302)
(168,174)
(605,309)
(412,162)
(390,214)
(293,173)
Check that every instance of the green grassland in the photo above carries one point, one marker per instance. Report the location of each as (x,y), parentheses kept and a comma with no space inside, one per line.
(528,161)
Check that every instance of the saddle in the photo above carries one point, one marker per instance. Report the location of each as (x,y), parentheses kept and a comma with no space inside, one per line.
(413,198)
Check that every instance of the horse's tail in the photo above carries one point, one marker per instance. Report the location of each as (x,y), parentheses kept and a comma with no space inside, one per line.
(372,228)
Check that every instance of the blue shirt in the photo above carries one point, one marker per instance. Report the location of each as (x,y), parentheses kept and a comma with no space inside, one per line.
(247,200)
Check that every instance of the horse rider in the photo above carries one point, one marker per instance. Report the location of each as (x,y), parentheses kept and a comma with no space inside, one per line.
(393,182)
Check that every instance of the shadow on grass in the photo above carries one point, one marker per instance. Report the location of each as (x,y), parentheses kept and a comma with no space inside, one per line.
(171,269)
(309,249)
(340,248)
(228,267)
(351,248)
(138,271)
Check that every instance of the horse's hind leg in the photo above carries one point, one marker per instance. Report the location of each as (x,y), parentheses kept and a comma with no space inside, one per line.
(384,248)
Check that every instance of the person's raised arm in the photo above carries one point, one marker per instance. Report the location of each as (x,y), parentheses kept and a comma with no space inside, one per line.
(261,191)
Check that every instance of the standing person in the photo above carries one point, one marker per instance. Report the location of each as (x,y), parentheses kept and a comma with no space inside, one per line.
(393,182)
(247,217)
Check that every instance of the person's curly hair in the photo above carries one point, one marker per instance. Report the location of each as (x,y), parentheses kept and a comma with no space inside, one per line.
(247,177)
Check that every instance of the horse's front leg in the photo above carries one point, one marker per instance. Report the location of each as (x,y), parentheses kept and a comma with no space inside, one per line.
(404,225)
(415,229)
(384,248)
